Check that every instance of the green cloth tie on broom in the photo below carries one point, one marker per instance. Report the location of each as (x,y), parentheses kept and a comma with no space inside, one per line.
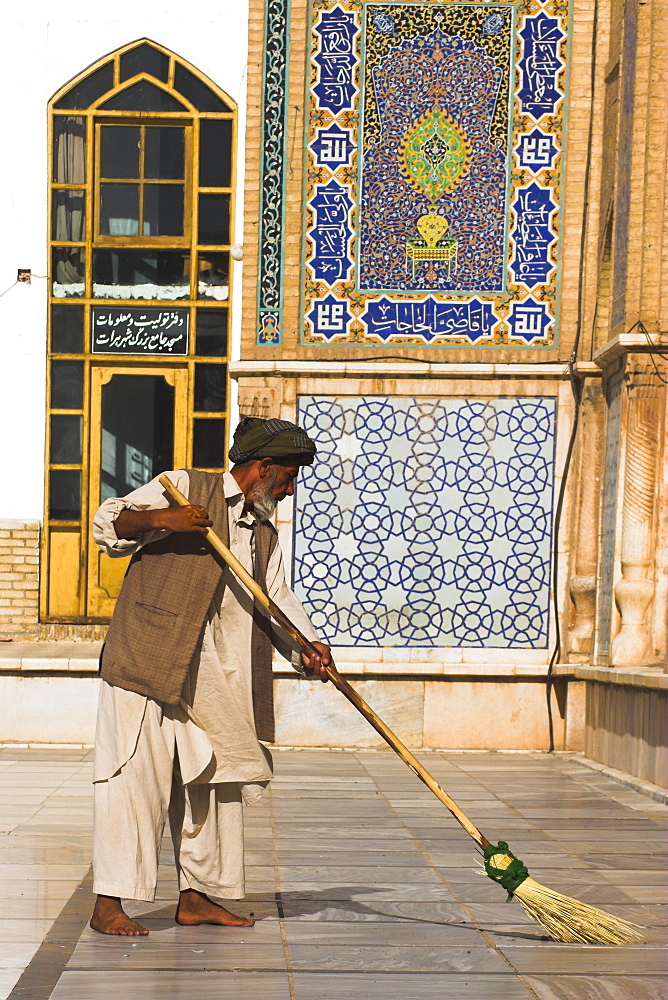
(510,877)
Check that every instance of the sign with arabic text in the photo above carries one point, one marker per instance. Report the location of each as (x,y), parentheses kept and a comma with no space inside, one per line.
(139,331)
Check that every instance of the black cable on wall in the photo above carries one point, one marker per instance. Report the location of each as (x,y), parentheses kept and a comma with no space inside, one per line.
(577,387)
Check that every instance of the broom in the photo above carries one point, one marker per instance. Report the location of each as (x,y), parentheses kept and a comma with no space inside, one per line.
(563,918)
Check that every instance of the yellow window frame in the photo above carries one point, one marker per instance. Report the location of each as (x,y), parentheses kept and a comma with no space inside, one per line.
(67,548)
(138,241)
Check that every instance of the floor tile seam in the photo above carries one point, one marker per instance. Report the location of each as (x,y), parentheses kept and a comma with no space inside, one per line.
(279,900)
(51,955)
(462,903)
(560,844)
(653,793)
(334,972)
(623,794)
(416,946)
(587,865)
(491,790)
(44,801)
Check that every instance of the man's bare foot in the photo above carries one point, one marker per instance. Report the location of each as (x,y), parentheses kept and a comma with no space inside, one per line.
(109,917)
(196,908)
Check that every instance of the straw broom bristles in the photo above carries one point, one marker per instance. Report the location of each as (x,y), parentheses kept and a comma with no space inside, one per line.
(565,919)
(573,922)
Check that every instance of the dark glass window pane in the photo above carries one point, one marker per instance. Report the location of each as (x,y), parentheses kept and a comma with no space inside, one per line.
(65,495)
(212,278)
(144,59)
(142,96)
(68,272)
(209,444)
(163,154)
(69,150)
(119,151)
(210,388)
(119,209)
(137,432)
(66,385)
(215,153)
(214,219)
(141,274)
(68,216)
(197,92)
(67,329)
(163,210)
(65,440)
(87,91)
(211,333)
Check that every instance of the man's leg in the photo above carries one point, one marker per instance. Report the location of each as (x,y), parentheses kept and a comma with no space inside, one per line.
(130,810)
(208,834)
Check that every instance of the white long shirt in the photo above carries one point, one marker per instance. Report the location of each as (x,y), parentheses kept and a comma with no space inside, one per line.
(215,729)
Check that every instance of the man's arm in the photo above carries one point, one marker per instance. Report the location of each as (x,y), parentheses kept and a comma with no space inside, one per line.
(123,525)
(133,523)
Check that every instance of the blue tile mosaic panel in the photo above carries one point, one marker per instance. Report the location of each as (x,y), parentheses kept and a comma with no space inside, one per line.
(273,165)
(425,521)
(435,134)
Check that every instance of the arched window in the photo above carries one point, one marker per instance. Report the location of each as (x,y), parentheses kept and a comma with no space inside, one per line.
(141,215)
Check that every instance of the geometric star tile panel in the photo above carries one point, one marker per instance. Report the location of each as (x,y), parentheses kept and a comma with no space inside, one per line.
(426,521)
(434,149)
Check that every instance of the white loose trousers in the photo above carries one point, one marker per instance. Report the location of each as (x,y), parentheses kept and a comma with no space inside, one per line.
(131,809)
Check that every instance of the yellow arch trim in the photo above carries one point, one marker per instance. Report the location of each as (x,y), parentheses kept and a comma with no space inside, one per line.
(188,108)
(174,57)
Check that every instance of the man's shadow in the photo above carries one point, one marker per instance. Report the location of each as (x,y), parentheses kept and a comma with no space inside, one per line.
(298,905)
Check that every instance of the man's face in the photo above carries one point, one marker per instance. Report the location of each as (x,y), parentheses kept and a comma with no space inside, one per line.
(283,484)
(276,484)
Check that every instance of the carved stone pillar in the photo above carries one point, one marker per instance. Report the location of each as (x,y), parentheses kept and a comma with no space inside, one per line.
(582,583)
(632,646)
(259,397)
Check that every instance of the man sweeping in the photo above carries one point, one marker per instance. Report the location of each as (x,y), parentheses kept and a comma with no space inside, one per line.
(186,691)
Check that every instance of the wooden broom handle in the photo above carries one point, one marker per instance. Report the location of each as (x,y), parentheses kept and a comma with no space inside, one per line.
(337,680)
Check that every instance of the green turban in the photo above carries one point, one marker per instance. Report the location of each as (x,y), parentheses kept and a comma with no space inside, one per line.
(255,438)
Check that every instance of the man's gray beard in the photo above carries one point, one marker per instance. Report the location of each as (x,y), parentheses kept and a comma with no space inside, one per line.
(262,499)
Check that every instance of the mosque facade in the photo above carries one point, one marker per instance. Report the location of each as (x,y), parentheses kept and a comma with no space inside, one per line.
(434,234)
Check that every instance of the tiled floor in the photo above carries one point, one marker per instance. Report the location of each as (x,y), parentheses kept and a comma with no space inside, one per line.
(362,885)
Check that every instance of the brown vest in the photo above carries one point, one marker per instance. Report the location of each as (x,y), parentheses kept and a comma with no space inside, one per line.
(161,611)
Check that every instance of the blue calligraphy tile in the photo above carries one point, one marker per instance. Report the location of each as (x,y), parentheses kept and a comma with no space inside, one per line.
(336,59)
(536,151)
(529,320)
(540,64)
(386,319)
(533,235)
(333,147)
(331,233)
(330,317)
(384,23)
(493,24)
